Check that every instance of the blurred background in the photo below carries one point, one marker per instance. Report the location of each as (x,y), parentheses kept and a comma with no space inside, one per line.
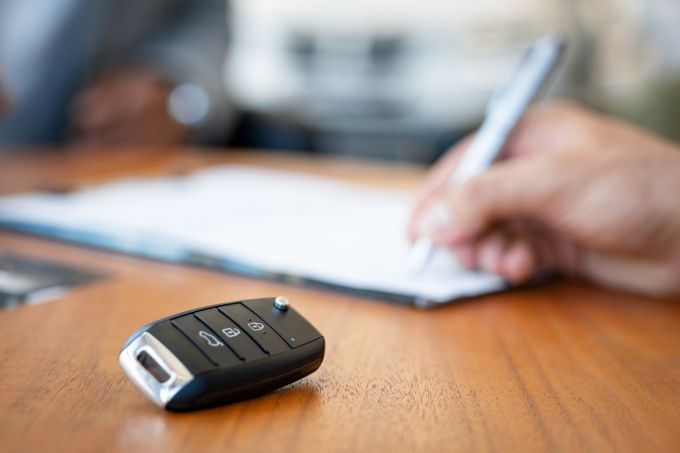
(368,78)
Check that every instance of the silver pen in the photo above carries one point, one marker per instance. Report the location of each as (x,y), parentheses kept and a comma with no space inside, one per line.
(506,107)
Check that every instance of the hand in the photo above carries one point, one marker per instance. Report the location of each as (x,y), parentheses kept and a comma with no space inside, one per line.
(580,194)
(125,107)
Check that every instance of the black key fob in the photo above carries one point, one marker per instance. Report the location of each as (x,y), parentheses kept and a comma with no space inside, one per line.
(222,353)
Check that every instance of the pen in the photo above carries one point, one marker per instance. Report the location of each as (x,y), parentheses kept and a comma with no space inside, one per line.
(506,107)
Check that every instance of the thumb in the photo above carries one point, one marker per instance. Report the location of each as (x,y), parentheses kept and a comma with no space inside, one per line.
(516,188)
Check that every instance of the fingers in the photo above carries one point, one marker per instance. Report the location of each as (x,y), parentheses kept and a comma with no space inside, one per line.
(519,263)
(544,130)
(508,190)
(602,192)
(490,251)
(516,188)
(433,188)
(516,250)
(503,253)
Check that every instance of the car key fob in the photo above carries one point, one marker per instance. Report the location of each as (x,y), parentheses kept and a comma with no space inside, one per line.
(222,353)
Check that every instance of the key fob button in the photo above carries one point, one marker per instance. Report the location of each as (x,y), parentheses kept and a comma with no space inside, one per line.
(206,340)
(181,347)
(292,327)
(231,334)
(256,328)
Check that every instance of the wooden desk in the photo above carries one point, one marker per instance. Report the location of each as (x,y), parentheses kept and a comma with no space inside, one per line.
(562,367)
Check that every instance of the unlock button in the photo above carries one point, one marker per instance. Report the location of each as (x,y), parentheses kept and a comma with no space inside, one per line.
(206,340)
(255,328)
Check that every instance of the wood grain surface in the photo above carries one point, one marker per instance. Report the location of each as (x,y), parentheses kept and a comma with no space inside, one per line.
(562,367)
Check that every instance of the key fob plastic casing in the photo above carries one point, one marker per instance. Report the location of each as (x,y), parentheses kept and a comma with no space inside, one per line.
(222,353)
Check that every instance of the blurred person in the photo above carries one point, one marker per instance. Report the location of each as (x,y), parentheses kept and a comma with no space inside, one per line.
(112,71)
(579,193)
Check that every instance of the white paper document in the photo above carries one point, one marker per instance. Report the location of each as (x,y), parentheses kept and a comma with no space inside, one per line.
(278,223)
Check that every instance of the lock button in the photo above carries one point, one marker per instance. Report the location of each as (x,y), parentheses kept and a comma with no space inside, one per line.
(231,334)
(206,340)
(256,328)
